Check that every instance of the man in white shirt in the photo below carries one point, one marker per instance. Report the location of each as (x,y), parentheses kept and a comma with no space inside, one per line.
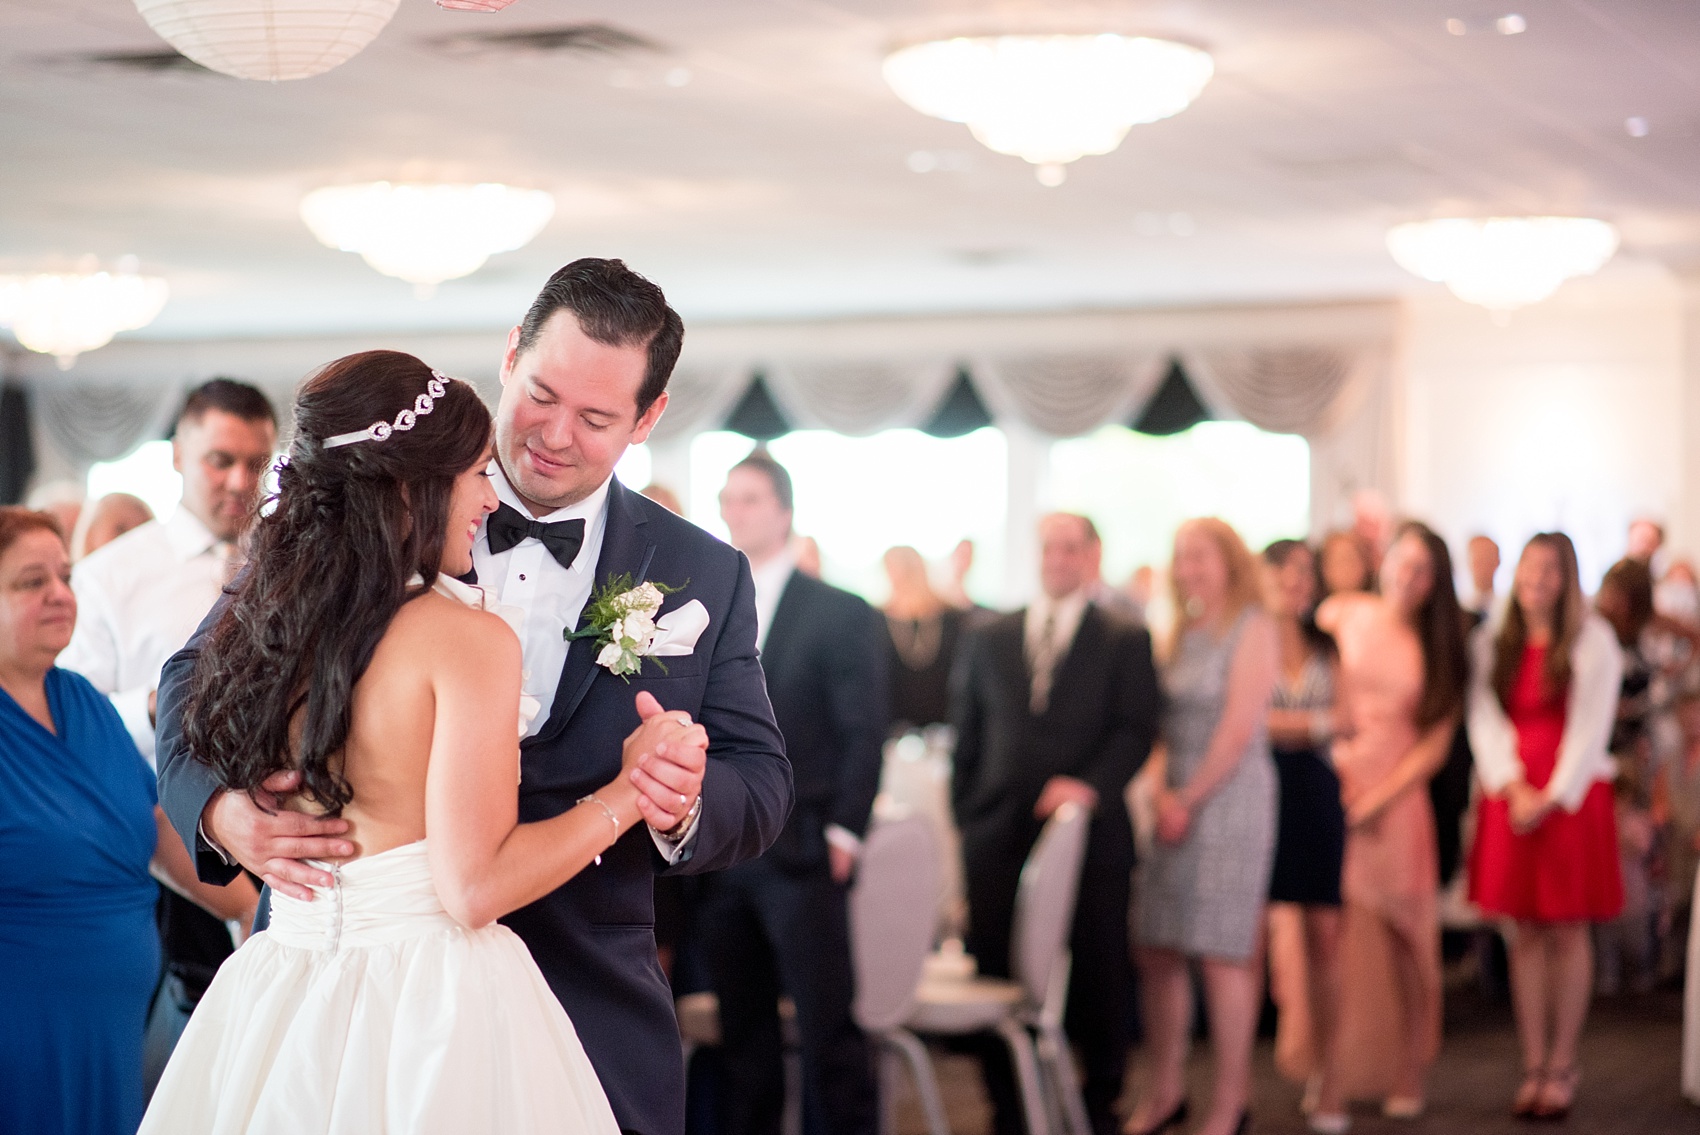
(141,596)
(139,599)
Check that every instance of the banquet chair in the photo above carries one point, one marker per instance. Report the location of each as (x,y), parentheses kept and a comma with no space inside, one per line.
(1027,1012)
(893,912)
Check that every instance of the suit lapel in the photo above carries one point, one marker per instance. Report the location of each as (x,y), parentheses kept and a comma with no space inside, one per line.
(625,550)
(785,616)
(1080,652)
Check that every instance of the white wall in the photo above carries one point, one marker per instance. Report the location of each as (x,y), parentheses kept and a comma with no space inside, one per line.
(1571,416)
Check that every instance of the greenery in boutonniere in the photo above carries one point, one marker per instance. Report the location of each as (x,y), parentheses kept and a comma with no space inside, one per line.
(620,618)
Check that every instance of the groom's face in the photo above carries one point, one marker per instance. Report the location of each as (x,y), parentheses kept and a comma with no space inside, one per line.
(568,412)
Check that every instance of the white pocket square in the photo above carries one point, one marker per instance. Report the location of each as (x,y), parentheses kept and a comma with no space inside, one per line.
(677,631)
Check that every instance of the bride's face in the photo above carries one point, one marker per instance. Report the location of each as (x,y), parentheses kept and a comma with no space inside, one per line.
(473,499)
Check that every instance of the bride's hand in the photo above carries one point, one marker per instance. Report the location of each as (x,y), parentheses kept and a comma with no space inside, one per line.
(665,759)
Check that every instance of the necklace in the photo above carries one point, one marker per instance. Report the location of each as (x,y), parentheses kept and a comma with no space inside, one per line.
(917,640)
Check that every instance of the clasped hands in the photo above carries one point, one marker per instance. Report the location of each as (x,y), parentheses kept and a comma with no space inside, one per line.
(1527,805)
(664,758)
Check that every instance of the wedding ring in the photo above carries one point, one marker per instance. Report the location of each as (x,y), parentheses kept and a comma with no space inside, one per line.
(683,799)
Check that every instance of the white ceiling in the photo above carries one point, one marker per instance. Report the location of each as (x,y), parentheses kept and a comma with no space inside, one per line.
(775,182)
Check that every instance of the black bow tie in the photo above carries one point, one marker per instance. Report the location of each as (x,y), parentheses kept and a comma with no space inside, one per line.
(507,526)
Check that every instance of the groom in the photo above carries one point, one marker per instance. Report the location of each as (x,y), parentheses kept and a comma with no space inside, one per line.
(584,376)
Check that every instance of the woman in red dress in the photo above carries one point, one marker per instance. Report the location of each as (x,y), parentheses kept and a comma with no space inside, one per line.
(1543,699)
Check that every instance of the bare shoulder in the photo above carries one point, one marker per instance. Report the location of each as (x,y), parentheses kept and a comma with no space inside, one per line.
(448,633)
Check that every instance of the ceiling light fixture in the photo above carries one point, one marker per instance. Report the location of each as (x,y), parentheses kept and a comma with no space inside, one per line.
(1503,263)
(1049,99)
(65,314)
(270,40)
(426,234)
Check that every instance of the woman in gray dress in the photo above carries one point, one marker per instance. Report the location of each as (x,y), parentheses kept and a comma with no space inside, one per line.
(1201,891)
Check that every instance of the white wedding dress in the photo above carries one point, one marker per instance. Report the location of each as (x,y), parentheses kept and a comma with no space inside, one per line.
(370,1011)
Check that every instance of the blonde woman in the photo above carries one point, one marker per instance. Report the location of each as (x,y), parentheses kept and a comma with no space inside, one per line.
(1202,889)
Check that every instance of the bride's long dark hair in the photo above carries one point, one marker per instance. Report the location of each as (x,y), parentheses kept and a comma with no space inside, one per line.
(328,569)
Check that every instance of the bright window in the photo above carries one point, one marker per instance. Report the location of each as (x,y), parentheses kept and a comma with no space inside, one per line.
(145,473)
(859,496)
(1138,489)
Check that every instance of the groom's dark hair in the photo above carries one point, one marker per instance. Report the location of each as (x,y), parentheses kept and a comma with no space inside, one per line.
(617,308)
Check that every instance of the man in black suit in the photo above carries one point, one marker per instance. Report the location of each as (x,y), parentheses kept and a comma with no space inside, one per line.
(781,924)
(584,376)
(1054,704)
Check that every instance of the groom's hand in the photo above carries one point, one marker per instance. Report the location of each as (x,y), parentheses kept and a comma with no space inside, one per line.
(669,776)
(272,842)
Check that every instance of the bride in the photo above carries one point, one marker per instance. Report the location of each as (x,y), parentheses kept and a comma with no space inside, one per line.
(393,1001)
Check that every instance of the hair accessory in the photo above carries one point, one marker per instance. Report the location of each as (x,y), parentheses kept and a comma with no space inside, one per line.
(378,431)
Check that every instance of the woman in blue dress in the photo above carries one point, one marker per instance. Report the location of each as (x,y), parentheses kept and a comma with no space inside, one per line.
(79,831)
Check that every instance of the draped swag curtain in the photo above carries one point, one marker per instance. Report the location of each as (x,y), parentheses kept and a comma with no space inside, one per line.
(1304,389)
(90,422)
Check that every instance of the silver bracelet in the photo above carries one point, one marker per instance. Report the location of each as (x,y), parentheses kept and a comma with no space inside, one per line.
(606,811)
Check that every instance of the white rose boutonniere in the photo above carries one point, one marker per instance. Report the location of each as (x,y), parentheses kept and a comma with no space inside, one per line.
(621,619)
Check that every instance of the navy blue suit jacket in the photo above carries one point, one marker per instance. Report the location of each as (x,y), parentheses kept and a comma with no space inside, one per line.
(594,937)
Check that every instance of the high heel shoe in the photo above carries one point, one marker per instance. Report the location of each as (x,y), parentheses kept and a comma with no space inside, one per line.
(1174,1119)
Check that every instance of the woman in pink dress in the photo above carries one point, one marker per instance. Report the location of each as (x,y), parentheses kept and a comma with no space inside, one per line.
(1403,667)
(1542,702)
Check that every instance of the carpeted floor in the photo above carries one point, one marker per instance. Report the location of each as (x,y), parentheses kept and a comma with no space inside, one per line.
(1629,1061)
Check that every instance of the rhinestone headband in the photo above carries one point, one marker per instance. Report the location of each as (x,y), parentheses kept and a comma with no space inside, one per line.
(378,431)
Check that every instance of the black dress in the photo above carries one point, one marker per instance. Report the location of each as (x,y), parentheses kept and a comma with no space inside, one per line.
(1310,842)
(920,653)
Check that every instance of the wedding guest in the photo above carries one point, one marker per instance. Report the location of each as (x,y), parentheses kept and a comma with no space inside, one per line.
(1656,651)
(1403,671)
(79,955)
(1677,595)
(1347,563)
(1543,699)
(1055,704)
(62,500)
(922,632)
(1310,839)
(142,596)
(1626,946)
(955,589)
(1482,559)
(107,519)
(780,924)
(1646,541)
(665,497)
(805,551)
(1141,588)
(1202,889)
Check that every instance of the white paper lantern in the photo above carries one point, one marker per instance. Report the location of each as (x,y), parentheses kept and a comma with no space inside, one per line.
(268,39)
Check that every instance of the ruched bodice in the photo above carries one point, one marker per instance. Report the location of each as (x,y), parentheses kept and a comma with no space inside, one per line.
(374,901)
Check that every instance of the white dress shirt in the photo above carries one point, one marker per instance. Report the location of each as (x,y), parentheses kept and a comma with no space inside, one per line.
(526,576)
(770,580)
(1596,672)
(1067,611)
(139,599)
